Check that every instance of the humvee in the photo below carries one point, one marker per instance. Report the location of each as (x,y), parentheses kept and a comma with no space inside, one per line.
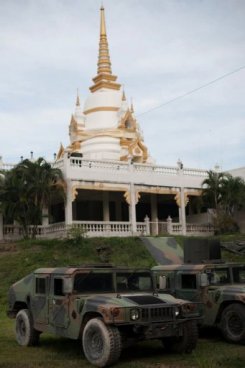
(219,286)
(106,307)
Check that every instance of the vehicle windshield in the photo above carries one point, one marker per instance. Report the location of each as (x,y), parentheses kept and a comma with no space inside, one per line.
(93,282)
(219,276)
(239,274)
(133,281)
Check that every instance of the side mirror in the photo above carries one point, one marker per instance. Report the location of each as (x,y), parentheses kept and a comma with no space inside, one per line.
(204,280)
(162,282)
(68,286)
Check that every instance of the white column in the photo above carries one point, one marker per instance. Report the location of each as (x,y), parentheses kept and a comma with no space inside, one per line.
(181,203)
(45,219)
(132,209)
(68,206)
(106,210)
(169,225)
(154,217)
(1,226)
(183,215)
(147,225)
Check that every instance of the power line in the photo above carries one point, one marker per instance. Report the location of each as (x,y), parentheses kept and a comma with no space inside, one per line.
(192,91)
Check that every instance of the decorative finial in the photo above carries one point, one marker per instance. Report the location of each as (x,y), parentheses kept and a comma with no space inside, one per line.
(78,99)
(180,164)
(132,106)
(123,95)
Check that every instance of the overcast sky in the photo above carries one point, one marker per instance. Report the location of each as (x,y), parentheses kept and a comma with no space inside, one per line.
(160,49)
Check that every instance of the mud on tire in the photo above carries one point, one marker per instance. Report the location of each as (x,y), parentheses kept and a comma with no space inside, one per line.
(101,344)
(185,343)
(233,323)
(25,333)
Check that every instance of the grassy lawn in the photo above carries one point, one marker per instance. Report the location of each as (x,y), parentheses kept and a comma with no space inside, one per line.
(17,260)
(64,353)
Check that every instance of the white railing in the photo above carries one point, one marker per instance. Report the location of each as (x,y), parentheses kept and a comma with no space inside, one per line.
(195,172)
(101,228)
(14,232)
(141,228)
(77,162)
(6,167)
(156,169)
(108,229)
(199,229)
(176,228)
(98,164)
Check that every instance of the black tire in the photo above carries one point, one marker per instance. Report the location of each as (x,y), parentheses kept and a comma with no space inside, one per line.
(185,343)
(233,323)
(101,344)
(25,333)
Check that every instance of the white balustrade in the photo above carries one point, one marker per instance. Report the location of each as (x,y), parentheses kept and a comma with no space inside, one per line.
(200,229)
(176,228)
(6,167)
(195,172)
(77,162)
(98,164)
(165,170)
(100,228)
(106,229)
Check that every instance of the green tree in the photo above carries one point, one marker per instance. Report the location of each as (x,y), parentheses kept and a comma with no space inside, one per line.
(225,194)
(213,189)
(233,194)
(27,189)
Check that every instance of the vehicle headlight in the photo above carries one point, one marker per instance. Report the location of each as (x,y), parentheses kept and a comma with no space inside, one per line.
(176,312)
(134,314)
(188,308)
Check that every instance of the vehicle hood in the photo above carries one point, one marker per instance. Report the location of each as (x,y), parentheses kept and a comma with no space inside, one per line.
(231,292)
(130,300)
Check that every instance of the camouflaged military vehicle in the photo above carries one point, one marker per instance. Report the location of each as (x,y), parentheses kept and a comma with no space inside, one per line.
(220,286)
(106,307)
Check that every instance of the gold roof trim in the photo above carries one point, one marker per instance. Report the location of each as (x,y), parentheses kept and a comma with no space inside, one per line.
(105,84)
(101,108)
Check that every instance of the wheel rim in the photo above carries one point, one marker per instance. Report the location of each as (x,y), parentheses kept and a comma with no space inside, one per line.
(235,324)
(21,328)
(96,344)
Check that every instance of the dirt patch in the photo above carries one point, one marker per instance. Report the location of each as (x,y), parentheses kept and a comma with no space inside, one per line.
(7,248)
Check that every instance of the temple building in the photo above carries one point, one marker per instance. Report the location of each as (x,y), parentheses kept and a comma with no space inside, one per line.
(114,187)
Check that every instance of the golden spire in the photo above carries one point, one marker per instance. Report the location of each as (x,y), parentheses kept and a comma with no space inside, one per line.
(104,63)
(104,78)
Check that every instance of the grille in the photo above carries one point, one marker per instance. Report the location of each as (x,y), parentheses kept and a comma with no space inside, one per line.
(156,314)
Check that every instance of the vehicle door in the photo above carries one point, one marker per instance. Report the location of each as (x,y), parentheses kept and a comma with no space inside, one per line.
(39,300)
(218,277)
(187,286)
(58,303)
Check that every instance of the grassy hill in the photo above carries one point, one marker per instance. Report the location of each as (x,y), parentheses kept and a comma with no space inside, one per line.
(19,259)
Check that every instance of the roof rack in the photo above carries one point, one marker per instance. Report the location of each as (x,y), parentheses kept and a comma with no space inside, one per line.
(93,265)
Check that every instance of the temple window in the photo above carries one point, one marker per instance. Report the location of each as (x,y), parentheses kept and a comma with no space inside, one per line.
(127,124)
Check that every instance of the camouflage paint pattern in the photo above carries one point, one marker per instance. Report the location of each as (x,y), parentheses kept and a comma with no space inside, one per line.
(215,296)
(65,312)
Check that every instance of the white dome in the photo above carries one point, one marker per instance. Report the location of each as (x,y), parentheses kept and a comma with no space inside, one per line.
(103,97)
(101,109)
